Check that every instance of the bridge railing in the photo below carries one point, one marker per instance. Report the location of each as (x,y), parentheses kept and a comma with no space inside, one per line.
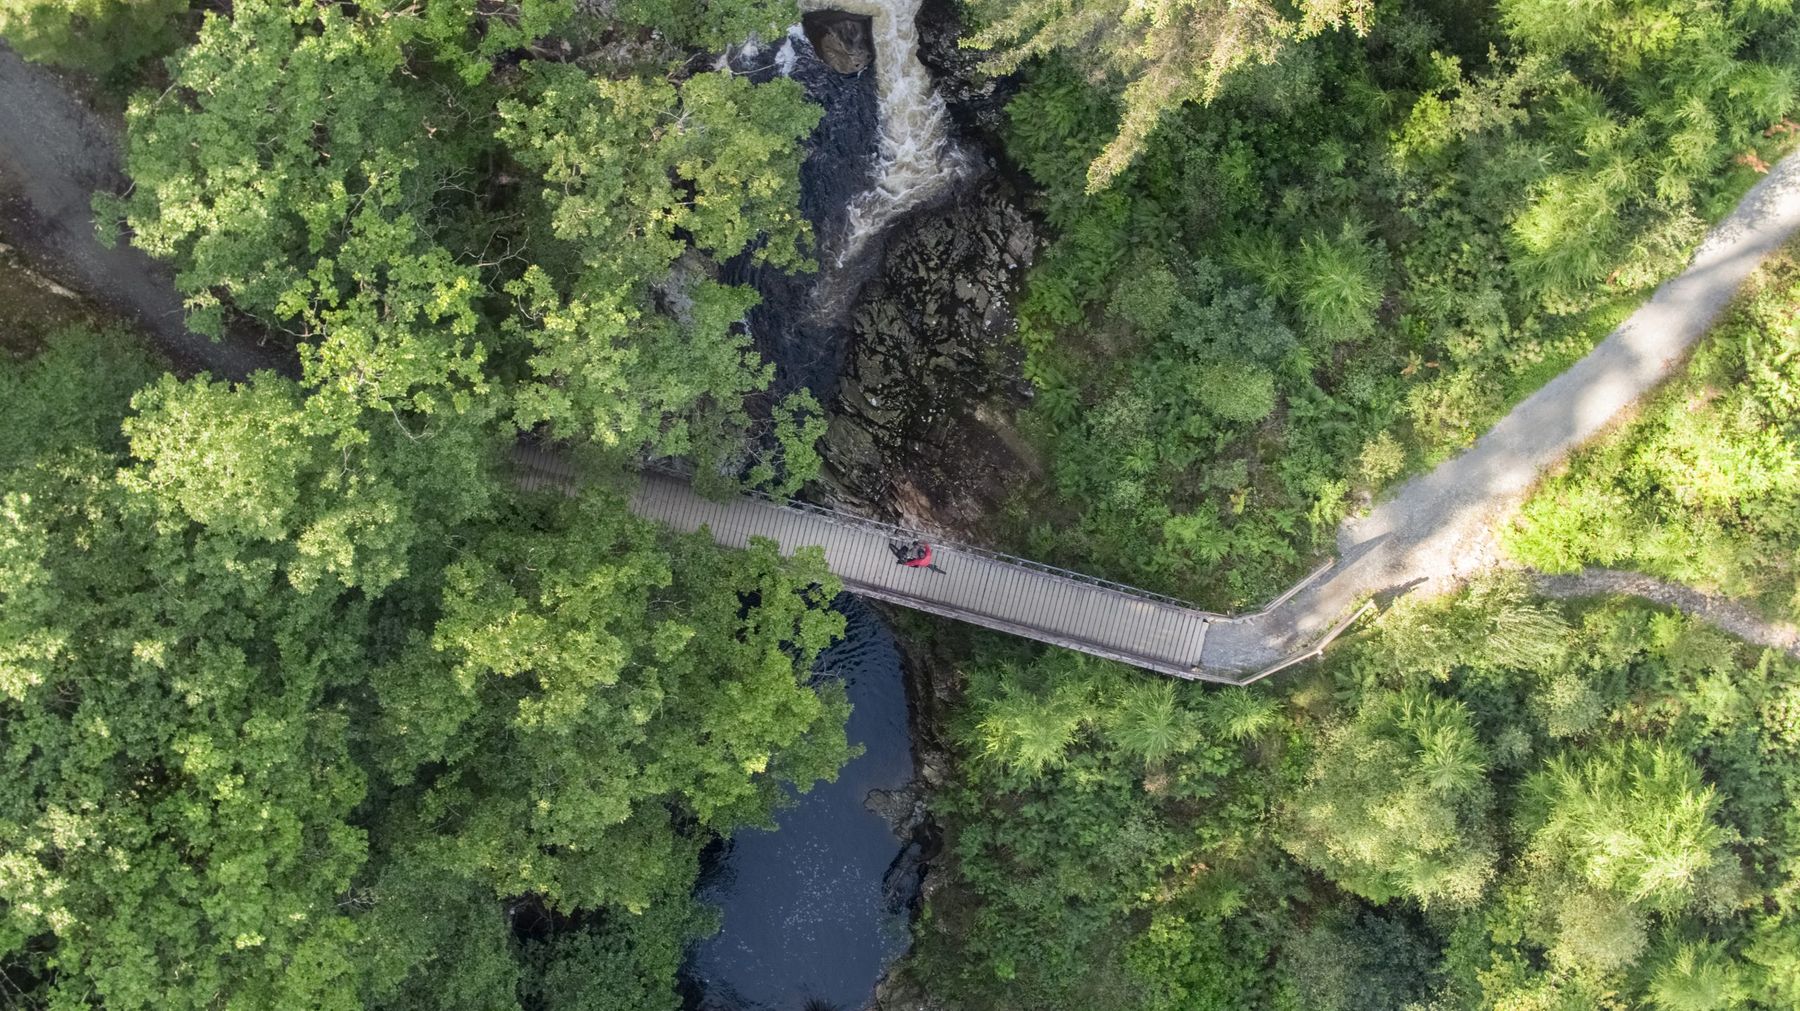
(536,458)
(1316,648)
(897,532)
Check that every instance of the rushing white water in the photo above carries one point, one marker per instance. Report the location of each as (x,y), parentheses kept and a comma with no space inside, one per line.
(917,160)
(786,57)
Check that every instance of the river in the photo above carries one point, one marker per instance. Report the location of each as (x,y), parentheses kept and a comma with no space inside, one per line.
(811,914)
(815,911)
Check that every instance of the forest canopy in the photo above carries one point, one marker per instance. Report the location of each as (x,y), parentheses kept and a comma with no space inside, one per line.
(1483,802)
(303,717)
(1353,259)
(1330,269)
(442,234)
(1161,54)
(310,706)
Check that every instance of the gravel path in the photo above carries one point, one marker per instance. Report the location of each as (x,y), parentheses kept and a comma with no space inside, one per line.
(1729,615)
(55,152)
(1438,528)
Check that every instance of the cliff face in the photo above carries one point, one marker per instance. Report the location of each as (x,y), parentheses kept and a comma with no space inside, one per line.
(921,427)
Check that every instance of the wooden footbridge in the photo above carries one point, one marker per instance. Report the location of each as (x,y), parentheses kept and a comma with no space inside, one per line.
(979,586)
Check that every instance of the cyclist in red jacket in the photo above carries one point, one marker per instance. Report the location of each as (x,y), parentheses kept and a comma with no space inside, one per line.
(916,555)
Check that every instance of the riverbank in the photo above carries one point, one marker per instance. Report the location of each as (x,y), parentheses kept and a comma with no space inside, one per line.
(820,906)
(57,150)
(35,303)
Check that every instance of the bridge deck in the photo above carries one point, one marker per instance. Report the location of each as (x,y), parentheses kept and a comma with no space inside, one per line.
(980,587)
(988,591)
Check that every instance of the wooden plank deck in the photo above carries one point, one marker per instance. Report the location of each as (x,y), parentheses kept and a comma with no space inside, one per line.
(981,588)
(976,586)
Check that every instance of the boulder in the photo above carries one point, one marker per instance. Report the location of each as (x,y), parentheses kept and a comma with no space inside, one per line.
(842,40)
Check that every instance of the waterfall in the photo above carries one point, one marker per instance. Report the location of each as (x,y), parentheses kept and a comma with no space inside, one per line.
(883,149)
(917,159)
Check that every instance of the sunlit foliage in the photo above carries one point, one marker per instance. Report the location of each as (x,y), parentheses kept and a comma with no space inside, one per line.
(1353,259)
(110,38)
(308,705)
(1483,802)
(1704,487)
(1158,54)
(536,243)
(302,715)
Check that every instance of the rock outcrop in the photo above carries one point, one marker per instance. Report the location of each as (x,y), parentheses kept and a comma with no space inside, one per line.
(921,425)
(977,98)
(842,40)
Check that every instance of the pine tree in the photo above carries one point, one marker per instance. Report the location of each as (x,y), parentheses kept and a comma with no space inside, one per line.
(1159,54)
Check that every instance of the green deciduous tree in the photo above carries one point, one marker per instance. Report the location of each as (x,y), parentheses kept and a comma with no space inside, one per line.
(69,395)
(635,170)
(306,705)
(312,698)
(793,458)
(589,693)
(324,167)
(184,831)
(288,126)
(622,964)
(712,25)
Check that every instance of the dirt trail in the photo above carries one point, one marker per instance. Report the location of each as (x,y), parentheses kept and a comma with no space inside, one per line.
(1729,615)
(1438,528)
(55,152)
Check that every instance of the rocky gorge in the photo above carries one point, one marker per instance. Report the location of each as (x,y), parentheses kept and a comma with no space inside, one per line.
(911,350)
(922,417)
(910,345)
(921,425)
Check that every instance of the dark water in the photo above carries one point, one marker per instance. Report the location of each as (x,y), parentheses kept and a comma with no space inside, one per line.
(798,325)
(816,910)
(811,911)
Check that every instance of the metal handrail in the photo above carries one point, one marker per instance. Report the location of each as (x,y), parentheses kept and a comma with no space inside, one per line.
(894,530)
(1316,649)
(1308,653)
(1292,591)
